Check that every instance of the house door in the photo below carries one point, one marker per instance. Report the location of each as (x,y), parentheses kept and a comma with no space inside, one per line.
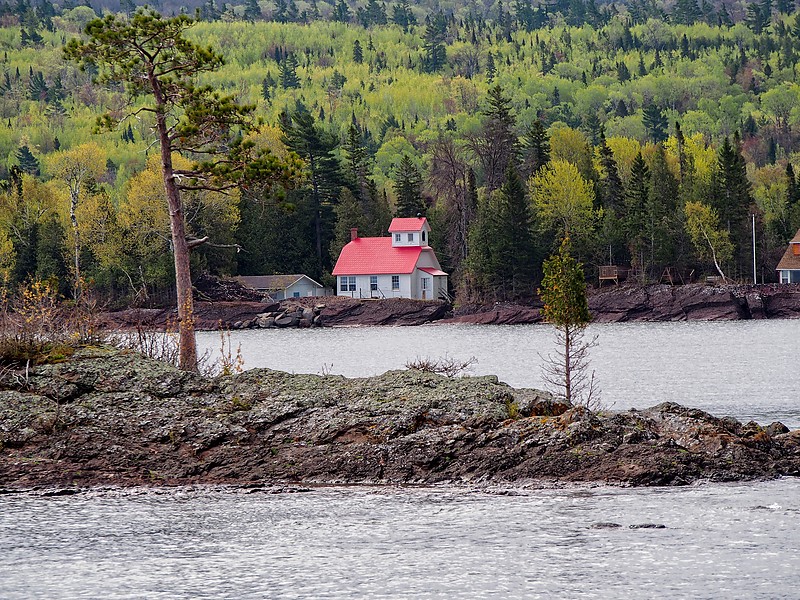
(425,286)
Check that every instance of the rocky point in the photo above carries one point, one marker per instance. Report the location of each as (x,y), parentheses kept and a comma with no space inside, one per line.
(107,417)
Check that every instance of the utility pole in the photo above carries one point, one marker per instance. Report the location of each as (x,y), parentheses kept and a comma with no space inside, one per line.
(755,278)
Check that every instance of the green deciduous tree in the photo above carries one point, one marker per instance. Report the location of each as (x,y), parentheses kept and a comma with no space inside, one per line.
(709,239)
(77,168)
(563,200)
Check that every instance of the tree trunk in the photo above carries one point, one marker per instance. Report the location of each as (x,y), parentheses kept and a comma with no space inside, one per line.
(568,364)
(187,357)
(73,205)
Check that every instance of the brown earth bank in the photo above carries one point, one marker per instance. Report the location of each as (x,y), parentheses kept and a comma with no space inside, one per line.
(609,304)
(107,417)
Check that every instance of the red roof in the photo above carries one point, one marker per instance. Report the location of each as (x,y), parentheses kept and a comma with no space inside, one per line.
(432,271)
(407,224)
(376,256)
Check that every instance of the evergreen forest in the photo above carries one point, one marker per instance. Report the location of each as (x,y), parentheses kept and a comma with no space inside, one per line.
(655,135)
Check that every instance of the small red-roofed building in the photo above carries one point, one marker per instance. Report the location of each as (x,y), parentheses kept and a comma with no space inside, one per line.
(400,266)
(789,267)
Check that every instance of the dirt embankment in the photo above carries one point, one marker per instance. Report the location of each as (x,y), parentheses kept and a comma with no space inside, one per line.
(114,418)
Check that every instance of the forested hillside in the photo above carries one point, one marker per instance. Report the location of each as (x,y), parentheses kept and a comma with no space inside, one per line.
(649,133)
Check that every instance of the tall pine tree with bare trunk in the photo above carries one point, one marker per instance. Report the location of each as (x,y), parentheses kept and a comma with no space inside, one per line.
(149,55)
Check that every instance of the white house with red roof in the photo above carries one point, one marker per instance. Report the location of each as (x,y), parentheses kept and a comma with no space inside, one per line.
(789,267)
(400,266)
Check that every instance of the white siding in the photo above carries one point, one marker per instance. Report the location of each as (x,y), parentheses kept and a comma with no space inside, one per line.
(305,288)
(417,241)
(384,287)
(427,258)
(789,276)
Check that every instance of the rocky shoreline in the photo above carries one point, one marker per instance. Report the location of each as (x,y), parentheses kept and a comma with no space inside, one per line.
(611,304)
(107,417)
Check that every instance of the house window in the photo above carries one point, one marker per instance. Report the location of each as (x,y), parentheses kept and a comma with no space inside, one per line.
(373,283)
(396,237)
(295,294)
(423,236)
(342,284)
(351,283)
(410,237)
(395,282)
(425,283)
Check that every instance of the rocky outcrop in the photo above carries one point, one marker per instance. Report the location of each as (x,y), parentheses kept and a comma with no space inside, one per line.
(666,303)
(616,304)
(109,417)
(391,311)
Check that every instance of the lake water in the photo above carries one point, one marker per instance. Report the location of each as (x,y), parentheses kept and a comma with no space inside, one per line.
(745,369)
(717,541)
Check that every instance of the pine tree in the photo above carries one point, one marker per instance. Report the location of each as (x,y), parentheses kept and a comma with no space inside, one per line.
(490,67)
(655,122)
(27,162)
(515,247)
(535,148)
(341,12)
(408,187)
(148,55)
(252,11)
(636,211)
(349,215)
(434,43)
(288,77)
(732,200)
(611,190)
(496,145)
(316,147)
(563,292)
(358,54)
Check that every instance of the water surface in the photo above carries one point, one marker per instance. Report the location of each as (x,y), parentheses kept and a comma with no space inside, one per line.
(745,369)
(719,541)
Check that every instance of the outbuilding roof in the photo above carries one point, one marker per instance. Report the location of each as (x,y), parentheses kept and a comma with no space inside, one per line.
(274,282)
(377,256)
(790,261)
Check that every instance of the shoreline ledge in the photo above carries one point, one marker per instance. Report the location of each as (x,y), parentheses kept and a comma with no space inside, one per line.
(113,418)
(611,304)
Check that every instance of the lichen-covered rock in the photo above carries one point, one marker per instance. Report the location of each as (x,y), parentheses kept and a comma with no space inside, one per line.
(109,417)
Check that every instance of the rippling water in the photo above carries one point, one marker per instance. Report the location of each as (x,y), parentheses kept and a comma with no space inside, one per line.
(719,541)
(745,369)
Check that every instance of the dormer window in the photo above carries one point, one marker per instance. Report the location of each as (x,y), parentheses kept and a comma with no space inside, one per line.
(423,235)
(410,237)
(396,237)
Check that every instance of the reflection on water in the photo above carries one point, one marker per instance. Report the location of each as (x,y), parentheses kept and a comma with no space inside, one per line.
(719,541)
(745,369)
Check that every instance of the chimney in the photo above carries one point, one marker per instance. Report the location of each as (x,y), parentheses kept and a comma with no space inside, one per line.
(353,234)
